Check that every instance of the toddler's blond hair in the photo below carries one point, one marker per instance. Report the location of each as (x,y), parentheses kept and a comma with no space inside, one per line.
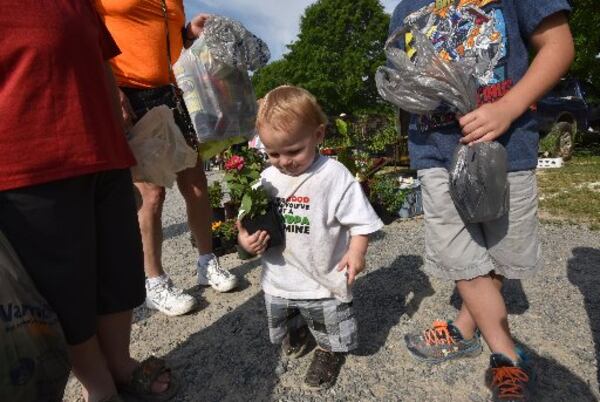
(287,105)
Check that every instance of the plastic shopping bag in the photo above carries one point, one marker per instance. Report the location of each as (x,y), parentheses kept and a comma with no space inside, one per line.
(478,174)
(34,364)
(159,148)
(422,85)
(218,93)
(478,182)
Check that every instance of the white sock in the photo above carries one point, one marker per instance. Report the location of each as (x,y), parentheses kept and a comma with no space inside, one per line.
(157,280)
(204,259)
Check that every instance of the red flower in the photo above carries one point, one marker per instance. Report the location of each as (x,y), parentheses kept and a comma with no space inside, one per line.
(235,162)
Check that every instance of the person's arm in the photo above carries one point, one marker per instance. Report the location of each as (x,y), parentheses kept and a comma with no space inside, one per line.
(553,43)
(115,100)
(193,29)
(354,259)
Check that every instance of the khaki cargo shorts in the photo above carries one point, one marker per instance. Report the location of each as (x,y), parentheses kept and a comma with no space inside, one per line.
(456,250)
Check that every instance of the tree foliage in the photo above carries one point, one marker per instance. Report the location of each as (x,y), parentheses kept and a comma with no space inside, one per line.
(339,47)
(585,23)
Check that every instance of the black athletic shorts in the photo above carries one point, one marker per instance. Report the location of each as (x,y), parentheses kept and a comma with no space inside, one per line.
(79,240)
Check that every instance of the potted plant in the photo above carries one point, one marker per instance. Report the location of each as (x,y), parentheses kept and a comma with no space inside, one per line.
(224,236)
(258,213)
(242,168)
(215,196)
(386,197)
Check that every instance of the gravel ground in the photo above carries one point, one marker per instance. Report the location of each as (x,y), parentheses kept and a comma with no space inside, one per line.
(221,352)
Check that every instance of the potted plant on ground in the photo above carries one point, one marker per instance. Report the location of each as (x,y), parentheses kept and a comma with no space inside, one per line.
(224,235)
(257,212)
(215,196)
(386,197)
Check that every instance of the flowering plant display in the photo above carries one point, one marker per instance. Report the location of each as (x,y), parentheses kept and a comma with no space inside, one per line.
(225,230)
(215,194)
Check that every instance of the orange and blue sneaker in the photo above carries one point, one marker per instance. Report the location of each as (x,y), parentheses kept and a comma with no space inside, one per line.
(509,381)
(442,342)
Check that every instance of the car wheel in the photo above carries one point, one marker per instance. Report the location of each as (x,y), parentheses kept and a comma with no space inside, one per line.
(565,141)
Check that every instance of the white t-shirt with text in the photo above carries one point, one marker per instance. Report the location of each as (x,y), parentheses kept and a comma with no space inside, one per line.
(321,208)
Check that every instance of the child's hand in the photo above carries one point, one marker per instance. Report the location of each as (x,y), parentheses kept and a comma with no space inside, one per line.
(354,261)
(486,123)
(255,243)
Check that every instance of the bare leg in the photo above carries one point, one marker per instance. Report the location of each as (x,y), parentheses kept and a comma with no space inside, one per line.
(91,369)
(483,300)
(464,321)
(114,332)
(150,220)
(193,187)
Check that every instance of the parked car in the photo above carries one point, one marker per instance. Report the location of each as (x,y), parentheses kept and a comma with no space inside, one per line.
(564,111)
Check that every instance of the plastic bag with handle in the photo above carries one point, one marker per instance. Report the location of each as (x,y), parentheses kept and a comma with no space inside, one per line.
(159,148)
(34,364)
(218,93)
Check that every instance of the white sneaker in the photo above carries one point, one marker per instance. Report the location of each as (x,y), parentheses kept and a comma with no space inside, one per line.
(163,296)
(212,274)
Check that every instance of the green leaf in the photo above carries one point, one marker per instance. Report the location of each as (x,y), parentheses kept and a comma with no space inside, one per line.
(246,205)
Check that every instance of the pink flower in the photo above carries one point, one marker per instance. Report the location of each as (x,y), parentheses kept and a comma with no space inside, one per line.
(235,162)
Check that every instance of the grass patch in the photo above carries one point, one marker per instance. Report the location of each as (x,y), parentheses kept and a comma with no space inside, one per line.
(572,193)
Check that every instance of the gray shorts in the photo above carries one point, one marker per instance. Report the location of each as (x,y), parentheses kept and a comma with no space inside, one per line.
(454,250)
(330,321)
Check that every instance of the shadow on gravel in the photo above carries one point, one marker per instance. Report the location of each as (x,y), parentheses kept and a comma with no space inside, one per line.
(553,382)
(175,230)
(513,293)
(232,360)
(584,272)
(383,296)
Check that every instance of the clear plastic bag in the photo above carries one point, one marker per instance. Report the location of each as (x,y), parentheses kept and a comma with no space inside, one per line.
(422,86)
(159,148)
(218,93)
(34,364)
(478,182)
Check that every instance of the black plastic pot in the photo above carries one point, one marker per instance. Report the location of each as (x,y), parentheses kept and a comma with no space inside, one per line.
(218,214)
(243,254)
(271,222)
(222,247)
(231,210)
(383,214)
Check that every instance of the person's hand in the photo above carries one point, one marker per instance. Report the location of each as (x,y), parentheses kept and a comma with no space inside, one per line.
(354,262)
(255,243)
(196,25)
(486,123)
(127,111)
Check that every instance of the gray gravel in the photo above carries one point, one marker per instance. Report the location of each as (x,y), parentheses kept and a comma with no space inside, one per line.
(221,352)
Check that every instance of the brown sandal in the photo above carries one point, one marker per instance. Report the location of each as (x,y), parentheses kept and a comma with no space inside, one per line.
(139,388)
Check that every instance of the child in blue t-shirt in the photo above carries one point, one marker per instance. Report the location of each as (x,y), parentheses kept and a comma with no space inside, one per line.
(497,35)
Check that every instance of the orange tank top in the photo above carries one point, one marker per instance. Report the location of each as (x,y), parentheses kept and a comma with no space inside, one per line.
(138,27)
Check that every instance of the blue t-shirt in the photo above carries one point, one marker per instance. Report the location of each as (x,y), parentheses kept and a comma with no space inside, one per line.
(495,34)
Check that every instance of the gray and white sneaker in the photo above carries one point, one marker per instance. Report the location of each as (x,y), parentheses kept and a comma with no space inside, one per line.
(211,274)
(163,296)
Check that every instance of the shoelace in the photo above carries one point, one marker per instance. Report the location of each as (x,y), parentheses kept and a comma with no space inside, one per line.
(510,381)
(166,289)
(439,334)
(216,270)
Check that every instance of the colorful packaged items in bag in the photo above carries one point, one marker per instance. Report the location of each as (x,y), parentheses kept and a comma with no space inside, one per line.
(34,364)
(218,93)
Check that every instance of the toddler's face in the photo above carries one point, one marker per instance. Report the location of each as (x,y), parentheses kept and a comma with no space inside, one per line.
(291,151)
